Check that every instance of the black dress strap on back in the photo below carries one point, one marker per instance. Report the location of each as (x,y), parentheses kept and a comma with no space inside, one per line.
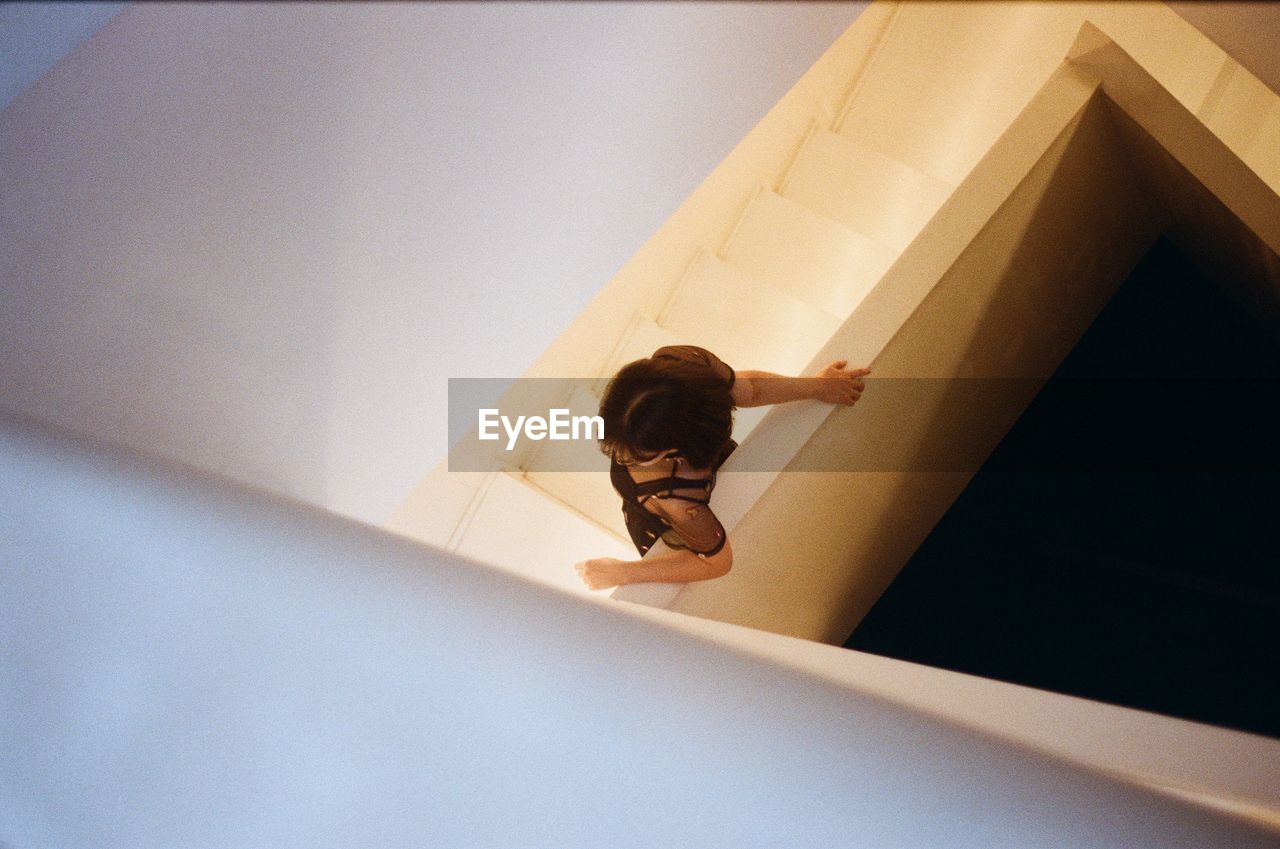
(689,498)
(670,483)
(645,526)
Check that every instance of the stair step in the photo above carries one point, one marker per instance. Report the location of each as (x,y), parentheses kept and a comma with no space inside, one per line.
(577,474)
(866,190)
(943,115)
(642,337)
(433,513)
(588,493)
(817,260)
(516,527)
(745,421)
(746,321)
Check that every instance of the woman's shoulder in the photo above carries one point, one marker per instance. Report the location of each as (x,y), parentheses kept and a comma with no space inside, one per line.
(695,354)
(692,353)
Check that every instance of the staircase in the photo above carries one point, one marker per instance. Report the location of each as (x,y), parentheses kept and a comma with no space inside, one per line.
(780,246)
(944,194)
(797,259)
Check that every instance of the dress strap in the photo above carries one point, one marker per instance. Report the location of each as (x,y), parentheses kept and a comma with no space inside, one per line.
(669,484)
(704,501)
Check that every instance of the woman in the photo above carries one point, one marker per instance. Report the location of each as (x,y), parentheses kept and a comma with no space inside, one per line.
(668,421)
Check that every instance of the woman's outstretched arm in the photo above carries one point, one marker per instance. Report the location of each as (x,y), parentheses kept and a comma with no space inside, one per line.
(676,566)
(834,384)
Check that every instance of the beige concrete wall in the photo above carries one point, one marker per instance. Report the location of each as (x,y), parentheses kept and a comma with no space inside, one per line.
(1248,31)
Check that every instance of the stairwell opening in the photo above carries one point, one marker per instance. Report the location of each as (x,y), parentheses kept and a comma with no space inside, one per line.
(1146,575)
(827,539)
(1118,542)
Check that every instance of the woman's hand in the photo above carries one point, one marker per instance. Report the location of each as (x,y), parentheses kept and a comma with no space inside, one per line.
(601,573)
(837,385)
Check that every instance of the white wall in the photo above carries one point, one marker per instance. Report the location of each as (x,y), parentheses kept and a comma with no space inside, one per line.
(36,36)
(259,238)
(190,664)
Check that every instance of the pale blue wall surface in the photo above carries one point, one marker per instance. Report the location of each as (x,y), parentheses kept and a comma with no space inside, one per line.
(36,36)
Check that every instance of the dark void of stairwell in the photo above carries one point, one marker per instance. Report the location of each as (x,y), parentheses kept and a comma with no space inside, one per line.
(1158,590)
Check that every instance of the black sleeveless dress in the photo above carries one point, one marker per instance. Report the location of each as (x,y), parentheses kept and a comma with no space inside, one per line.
(685,519)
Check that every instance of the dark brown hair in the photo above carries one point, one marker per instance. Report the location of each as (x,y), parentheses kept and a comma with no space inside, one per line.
(654,404)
